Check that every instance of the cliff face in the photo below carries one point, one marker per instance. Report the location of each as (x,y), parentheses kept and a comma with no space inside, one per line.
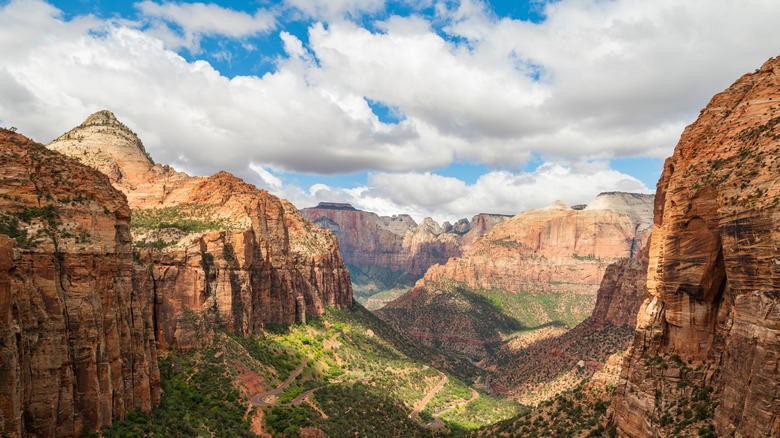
(711,308)
(621,291)
(219,252)
(76,346)
(397,243)
(540,267)
(540,249)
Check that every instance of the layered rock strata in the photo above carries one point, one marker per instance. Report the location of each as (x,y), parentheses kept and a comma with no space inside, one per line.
(76,343)
(546,367)
(218,251)
(397,243)
(709,328)
(555,256)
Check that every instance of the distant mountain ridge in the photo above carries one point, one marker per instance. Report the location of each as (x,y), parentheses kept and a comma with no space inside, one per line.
(382,248)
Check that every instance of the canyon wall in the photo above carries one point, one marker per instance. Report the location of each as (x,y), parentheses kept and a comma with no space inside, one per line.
(709,328)
(540,267)
(218,251)
(398,242)
(76,342)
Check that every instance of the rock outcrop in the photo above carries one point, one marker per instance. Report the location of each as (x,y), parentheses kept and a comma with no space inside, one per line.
(708,332)
(219,252)
(76,343)
(544,368)
(398,242)
(540,267)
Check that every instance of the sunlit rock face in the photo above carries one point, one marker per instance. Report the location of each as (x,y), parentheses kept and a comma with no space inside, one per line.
(76,342)
(218,252)
(713,281)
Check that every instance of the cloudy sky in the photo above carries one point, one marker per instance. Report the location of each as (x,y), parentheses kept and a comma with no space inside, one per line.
(434,108)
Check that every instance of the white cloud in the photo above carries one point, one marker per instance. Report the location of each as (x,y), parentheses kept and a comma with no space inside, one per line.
(335,9)
(424,194)
(200,19)
(594,81)
(269,180)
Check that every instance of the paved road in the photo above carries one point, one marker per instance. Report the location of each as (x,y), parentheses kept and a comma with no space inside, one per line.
(428,397)
(259,399)
(437,423)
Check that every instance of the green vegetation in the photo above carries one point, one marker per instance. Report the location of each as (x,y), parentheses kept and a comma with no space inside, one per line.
(363,369)
(375,285)
(198,399)
(578,412)
(187,218)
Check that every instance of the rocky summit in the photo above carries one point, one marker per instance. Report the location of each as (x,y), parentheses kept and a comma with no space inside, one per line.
(709,327)
(216,248)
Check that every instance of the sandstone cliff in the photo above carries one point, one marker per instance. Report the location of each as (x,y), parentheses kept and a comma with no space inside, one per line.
(219,252)
(540,267)
(397,243)
(76,343)
(538,371)
(708,332)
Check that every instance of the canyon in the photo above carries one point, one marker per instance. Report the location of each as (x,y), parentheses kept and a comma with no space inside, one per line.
(117,273)
(539,268)
(392,252)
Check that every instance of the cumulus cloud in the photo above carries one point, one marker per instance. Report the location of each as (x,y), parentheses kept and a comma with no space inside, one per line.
(594,80)
(423,194)
(199,19)
(335,9)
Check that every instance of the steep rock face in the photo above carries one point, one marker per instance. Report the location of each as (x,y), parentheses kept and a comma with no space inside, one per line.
(220,252)
(77,345)
(712,286)
(539,248)
(542,266)
(542,369)
(622,291)
(397,243)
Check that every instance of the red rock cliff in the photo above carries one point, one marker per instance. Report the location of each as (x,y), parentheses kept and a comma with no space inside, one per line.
(712,307)
(220,252)
(543,248)
(76,346)
(397,243)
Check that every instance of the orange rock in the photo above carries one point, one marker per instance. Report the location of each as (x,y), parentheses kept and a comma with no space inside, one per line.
(76,346)
(713,276)
(255,261)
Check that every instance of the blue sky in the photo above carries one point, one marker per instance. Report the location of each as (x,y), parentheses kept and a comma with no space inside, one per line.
(435,108)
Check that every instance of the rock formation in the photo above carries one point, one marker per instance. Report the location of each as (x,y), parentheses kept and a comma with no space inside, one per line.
(76,343)
(708,332)
(542,266)
(398,242)
(219,252)
(546,367)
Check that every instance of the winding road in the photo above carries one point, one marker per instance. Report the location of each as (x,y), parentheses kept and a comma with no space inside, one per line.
(259,399)
(437,423)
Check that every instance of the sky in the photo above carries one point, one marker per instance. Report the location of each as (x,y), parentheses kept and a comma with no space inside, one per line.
(433,108)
